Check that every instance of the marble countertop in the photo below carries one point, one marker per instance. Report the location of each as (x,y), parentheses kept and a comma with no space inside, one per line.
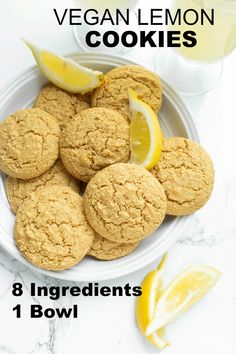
(107,325)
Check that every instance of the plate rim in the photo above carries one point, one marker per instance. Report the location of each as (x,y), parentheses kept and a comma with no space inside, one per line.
(181,108)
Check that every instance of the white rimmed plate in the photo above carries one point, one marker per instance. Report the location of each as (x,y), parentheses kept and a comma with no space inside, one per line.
(175,120)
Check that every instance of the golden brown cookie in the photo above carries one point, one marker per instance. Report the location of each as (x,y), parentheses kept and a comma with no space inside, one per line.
(186,172)
(29,143)
(60,104)
(92,140)
(124,203)
(51,230)
(107,250)
(18,190)
(113,93)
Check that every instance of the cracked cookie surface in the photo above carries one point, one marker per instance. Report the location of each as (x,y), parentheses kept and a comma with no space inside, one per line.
(106,250)
(113,93)
(60,104)
(29,143)
(124,203)
(18,190)
(94,139)
(186,172)
(51,230)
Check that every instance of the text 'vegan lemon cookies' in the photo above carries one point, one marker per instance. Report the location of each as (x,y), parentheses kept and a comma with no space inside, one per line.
(107,250)
(94,139)
(60,104)
(124,203)
(29,143)
(113,93)
(51,230)
(18,190)
(186,172)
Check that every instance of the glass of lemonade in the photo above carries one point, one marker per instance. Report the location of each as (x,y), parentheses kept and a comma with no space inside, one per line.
(196,70)
(100,6)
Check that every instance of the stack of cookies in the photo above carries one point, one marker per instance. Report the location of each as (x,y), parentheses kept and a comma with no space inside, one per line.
(69,181)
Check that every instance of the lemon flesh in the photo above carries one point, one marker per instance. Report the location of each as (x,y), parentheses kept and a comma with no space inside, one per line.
(145,133)
(187,289)
(152,287)
(66,73)
(140,137)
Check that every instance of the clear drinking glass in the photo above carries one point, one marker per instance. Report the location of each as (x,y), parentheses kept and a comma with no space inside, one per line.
(196,70)
(100,6)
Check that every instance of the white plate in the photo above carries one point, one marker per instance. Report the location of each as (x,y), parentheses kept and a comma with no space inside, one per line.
(175,121)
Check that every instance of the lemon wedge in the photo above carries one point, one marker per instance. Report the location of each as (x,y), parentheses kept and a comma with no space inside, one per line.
(145,133)
(66,73)
(188,287)
(152,287)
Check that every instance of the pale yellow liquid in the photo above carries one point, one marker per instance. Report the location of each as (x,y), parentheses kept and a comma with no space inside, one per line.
(101,5)
(214,42)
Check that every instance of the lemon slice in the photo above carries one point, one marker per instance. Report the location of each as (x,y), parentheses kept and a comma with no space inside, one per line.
(145,133)
(66,73)
(145,306)
(188,287)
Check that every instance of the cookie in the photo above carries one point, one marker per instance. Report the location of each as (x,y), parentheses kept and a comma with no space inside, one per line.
(60,104)
(186,172)
(51,230)
(106,250)
(113,93)
(18,190)
(92,140)
(124,203)
(29,143)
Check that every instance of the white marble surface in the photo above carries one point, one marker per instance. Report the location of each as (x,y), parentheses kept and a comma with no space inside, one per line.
(107,325)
